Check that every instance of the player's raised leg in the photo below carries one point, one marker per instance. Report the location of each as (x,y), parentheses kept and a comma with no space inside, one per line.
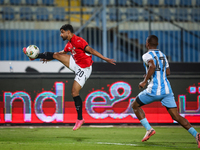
(184,123)
(141,116)
(63,58)
(46,56)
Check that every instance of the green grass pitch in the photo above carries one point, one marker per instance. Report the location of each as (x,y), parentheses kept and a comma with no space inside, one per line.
(93,138)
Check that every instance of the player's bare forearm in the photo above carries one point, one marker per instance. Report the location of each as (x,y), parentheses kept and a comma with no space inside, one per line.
(94,52)
(150,72)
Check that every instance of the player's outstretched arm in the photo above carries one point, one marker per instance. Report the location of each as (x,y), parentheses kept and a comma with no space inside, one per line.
(94,52)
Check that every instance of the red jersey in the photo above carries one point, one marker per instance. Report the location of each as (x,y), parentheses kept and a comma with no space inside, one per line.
(77,47)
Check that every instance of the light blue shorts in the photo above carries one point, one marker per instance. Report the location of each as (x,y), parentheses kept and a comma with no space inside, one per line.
(167,100)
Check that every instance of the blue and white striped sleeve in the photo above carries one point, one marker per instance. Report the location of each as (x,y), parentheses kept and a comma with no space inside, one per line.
(166,61)
(146,57)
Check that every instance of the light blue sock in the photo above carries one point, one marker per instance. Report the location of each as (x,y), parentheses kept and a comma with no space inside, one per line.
(145,123)
(192,131)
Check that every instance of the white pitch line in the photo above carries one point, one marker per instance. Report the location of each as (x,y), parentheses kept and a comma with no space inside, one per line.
(103,126)
(123,144)
(116,144)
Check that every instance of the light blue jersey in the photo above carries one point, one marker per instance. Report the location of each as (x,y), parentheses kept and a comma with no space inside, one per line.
(158,84)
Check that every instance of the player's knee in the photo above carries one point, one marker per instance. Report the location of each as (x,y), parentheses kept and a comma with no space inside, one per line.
(74,93)
(56,55)
(174,114)
(134,105)
(176,117)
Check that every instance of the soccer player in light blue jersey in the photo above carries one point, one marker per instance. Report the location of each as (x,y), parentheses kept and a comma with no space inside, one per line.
(158,89)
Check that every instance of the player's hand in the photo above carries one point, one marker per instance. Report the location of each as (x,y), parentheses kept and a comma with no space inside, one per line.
(142,84)
(44,60)
(111,61)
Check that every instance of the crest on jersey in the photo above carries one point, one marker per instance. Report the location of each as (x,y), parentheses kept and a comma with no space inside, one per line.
(73,51)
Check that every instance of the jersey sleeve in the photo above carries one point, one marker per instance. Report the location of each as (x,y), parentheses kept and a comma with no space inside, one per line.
(146,57)
(67,47)
(81,43)
(166,61)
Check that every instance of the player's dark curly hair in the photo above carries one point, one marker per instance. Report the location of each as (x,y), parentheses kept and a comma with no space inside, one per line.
(67,27)
(153,40)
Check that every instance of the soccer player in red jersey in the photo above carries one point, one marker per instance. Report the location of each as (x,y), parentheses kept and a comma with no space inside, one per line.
(80,62)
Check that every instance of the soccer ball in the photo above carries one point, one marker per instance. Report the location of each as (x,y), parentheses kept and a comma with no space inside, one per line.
(32,51)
